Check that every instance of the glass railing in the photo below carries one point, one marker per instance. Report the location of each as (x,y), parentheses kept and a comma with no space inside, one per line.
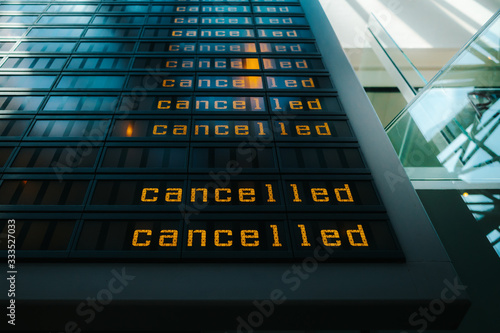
(451,130)
(402,64)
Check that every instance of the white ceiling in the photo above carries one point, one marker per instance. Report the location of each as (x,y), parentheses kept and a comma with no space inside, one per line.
(430,32)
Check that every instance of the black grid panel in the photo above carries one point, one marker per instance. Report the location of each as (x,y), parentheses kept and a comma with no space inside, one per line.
(178,130)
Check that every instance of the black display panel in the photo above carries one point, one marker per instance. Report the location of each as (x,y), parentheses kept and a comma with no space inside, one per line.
(138,193)
(343,239)
(277,9)
(292,64)
(285,33)
(278,20)
(336,194)
(230,104)
(236,238)
(4,154)
(320,158)
(311,130)
(304,104)
(161,104)
(229,82)
(76,104)
(91,129)
(240,158)
(138,237)
(225,9)
(20,103)
(151,158)
(179,131)
(226,48)
(164,83)
(40,235)
(152,129)
(42,192)
(235,130)
(289,48)
(56,157)
(303,83)
(13,127)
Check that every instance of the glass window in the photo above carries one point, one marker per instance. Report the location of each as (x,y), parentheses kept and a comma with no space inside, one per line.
(4,154)
(43,192)
(44,235)
(26,81)
(111,33)
(105,47)
(13,19)
(232,157)
(124,8)
(141,157)
(92,129)
(22,8)
(58,158)
(13,32)
(91,82)
(13,127)
(108,19)
(99,63)
(20,103)
(81,103)
(308,158)
(55,32)
(56,47)
(72,8)
(6,46)
(34,63)
(64,19)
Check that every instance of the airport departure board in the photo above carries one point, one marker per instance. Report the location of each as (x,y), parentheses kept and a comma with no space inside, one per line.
(182,130)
